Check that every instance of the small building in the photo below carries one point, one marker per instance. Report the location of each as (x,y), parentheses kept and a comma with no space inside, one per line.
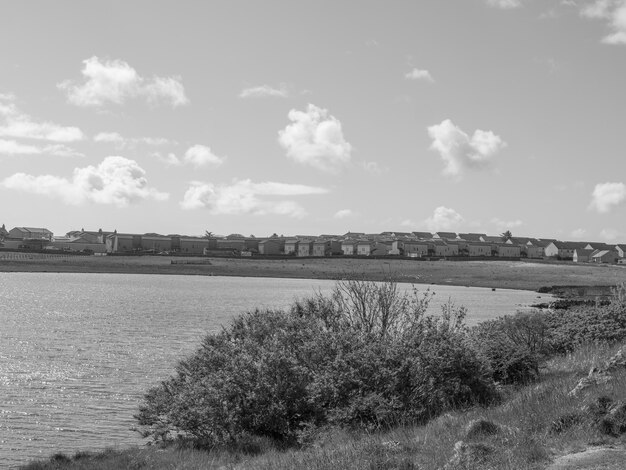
(193,245)
(348,247)
(155,243)
(445,236)
(479,249)
(439,248)
(621,250)
(471,237)
(364,247)
(305,248)
(563,250)
(414,248)
(423,235)
(504,250)
(30,233)
(272,246)
(291,246)
(326,247)
(604,257)
(582,255)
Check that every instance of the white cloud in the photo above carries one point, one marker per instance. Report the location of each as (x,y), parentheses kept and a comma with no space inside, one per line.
(505,4)
(114,81)
(607,195)
(245,197)
(408,223)
(265,91)
(609,234)
(614,13)
(60,150)
(443,219)
(459,151)
(578,233)
(122,142)
(502,225)
(170,159)
(417,74)
(117,180)
(11,147)
(14,123)
(201,155)
(315,138)
(373,167)
(343,213)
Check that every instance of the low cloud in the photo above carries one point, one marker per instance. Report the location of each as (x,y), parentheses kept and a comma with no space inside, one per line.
(505,4)
(245,197)
(316,138)
(461,152)
(605,196)
(609,234)
(115,81)
(343,214)
(200,156)
(265,91)
(122,142)
(11,147)
(17,124)
(444,219)
(578,233)
(417,74)
(502,225)
(613,12)
(116,180)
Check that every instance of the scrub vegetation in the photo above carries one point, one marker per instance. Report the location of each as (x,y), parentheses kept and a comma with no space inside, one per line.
(364,378)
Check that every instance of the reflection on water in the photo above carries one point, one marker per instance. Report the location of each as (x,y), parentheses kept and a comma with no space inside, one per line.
(77,351)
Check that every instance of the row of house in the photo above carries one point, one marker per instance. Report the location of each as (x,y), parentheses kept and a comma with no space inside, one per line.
(408,244)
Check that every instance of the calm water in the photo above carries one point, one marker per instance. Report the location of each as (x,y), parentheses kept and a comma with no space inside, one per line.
(77,351)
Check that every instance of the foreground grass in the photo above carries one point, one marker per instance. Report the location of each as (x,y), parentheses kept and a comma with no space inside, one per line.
(535,424)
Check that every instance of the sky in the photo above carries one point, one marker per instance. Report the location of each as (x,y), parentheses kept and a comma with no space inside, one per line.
(323,117)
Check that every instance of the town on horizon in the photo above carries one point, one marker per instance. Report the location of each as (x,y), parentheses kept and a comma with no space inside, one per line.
(437,245)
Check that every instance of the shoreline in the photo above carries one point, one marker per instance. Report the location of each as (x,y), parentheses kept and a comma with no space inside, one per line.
(573,280)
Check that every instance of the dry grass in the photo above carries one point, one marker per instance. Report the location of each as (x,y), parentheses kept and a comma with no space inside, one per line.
(534,425)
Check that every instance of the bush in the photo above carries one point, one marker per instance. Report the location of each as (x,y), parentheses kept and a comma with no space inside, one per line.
(365,356)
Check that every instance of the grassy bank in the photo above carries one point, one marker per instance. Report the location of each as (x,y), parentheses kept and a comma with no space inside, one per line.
(533,426)
(525,275)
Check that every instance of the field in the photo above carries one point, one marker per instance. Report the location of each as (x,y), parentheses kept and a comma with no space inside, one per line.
(526,275)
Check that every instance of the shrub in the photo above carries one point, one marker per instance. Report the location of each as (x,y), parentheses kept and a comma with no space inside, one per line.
(365,356)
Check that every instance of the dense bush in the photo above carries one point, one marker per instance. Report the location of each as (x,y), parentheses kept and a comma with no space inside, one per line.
(367,355)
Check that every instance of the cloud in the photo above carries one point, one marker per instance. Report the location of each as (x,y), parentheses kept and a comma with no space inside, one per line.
(443,218)
(343,213)
(114,81)
(11,147)
(373,167)
(201,155)
(607,195)
(245,197)
(117,181)
(417,74)
(170,159)
(614,13)
(506,225)
(122,142)
(459,151)
(505,4)
(14,123)
(315,138)
(609,234)
(265,91)
(60,150)
(578,233)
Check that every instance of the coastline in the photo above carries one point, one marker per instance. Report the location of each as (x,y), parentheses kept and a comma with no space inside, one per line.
(581,280)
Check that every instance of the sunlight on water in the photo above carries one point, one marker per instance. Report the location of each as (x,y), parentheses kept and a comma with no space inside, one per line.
(77,351)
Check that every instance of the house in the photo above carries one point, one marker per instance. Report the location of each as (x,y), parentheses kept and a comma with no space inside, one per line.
(348,247)
(423,235)
(192,245)
(386,247)
(305,248)
(235,244)
(30,233)
(365,247)
(582,255)
(563,250)
(504,250)
(492,239)
(397,234)
(414,248)
(444,236)
(272,246)
(439,248)
(122,243)
(156,243)
(471,237)
(291,246)
(604,257)
(621,250)
(479,249)
(534,252)
(326,247)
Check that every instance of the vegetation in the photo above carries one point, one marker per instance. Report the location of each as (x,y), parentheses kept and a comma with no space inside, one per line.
(363,378)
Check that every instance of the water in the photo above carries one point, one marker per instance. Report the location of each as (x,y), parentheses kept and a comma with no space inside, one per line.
(77,351)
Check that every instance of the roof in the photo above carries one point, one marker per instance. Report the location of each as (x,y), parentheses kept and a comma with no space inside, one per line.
(426,235)
(451,235)
(569,245)
(32,229)
(471,236)
(492,239)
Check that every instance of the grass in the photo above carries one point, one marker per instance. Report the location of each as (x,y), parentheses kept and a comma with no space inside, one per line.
(534,424)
